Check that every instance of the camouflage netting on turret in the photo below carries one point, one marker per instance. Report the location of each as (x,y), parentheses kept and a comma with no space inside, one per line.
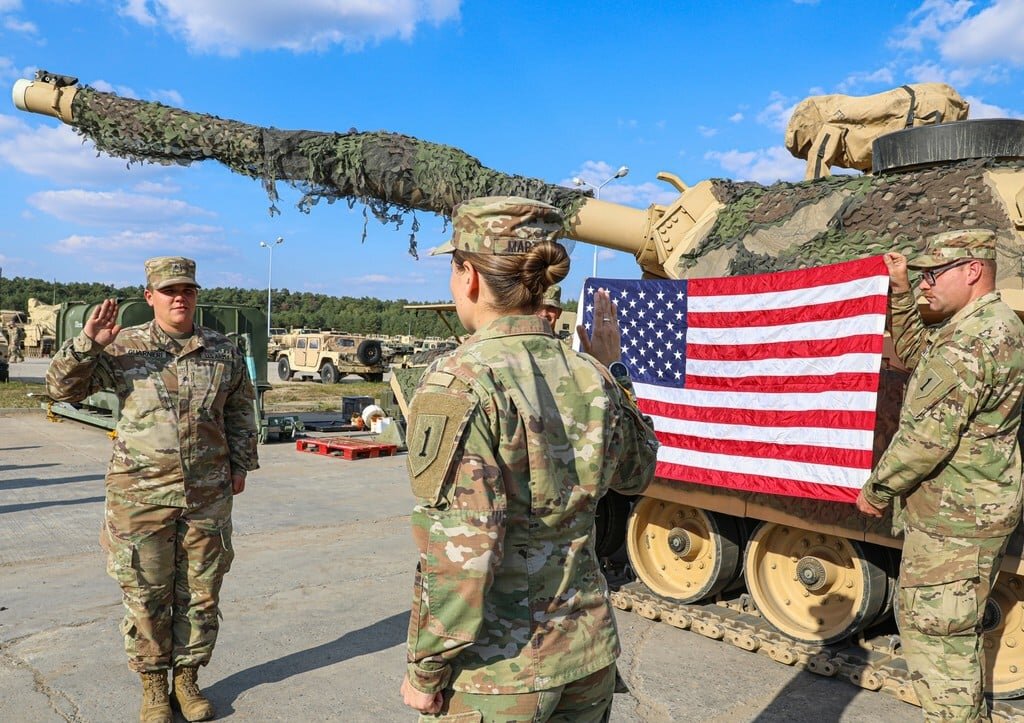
(390,173)
(796,225)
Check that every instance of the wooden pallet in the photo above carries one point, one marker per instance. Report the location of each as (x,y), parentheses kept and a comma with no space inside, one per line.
(345,447)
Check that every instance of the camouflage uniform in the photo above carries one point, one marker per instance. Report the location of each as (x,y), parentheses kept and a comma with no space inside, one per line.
(954,466)
(513,439)
(187,424)
(16,339)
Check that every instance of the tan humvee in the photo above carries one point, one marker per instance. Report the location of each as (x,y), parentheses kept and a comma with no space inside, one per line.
(331,357)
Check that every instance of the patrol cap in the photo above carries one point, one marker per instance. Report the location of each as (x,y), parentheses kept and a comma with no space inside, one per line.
(552,296)
(164,271)
(945,248)
(503,225)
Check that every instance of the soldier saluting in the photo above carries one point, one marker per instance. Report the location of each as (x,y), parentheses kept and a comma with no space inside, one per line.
(185,440)
(954,464)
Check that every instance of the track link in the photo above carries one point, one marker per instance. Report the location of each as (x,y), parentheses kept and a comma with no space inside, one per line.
(869,663)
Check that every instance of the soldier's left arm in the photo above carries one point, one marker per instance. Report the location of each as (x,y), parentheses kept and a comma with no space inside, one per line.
(240,419)
(935,416)
(458,524)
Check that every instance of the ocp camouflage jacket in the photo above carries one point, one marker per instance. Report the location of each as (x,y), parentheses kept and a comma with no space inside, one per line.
(956,459)
(513,439)
(187,417)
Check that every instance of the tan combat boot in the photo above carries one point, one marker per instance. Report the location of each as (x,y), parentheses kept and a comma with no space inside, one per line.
(156,706)
(186,696)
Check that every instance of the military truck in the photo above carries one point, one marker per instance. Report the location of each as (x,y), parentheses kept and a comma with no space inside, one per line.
(331,357)
(40,331)
(819,578)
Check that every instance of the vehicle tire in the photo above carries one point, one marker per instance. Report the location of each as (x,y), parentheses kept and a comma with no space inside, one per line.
(284,369)
(369,352)
(946,142)
(329,374)
(610,523)
(373,377)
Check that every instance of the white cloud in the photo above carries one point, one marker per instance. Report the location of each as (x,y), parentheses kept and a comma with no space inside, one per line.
(58,154)
(229,27)
(170,97)
(619,190)
(156,187)
(20,26)
(605,255)
(123,90)
(112,208)
(981,109)
(7,6)
(994,34)
(766,165)
(9,72)
(930,22)
(139,244)
(859,79)
(627,122)
(707,132)
(136,10)
(778,111)
(736,117)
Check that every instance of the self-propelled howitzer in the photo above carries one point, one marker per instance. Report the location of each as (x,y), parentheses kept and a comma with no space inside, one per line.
(816,571)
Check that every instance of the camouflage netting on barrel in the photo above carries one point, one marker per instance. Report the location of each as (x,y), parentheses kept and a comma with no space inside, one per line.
(797,225)
(391,174)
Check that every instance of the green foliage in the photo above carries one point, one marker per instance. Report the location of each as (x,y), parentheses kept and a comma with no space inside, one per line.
(362,315)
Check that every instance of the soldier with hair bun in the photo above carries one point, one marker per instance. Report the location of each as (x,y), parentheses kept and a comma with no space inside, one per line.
(953,467)
(513,438)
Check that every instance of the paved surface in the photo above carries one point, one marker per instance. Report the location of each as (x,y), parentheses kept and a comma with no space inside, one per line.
(315,608)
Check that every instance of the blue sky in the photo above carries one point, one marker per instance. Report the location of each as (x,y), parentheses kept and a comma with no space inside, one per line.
(539,88)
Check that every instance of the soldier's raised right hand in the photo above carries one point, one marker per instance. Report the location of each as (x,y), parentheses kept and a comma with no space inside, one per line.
(102,326)
(899,279)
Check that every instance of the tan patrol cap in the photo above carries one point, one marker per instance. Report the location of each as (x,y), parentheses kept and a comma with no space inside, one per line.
(502,225)
(945,248)
(164,271)
(552,296)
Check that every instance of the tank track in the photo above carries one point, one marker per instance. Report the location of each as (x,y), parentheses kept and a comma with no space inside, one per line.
(869,663)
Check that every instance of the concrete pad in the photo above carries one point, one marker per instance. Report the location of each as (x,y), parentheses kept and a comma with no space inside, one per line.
(315,607)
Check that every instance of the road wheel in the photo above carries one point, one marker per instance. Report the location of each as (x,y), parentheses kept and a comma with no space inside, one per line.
(1003,626)
(329,374)
(683,553)
(815,588)
(284,369)
(369,352)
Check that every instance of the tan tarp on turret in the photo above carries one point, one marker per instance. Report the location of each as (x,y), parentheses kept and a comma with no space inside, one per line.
(837,130)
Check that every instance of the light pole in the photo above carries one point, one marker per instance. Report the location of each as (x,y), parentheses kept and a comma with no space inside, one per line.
(270,271)
(577,181)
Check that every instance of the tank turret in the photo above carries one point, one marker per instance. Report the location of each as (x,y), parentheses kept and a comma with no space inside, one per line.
(691,543)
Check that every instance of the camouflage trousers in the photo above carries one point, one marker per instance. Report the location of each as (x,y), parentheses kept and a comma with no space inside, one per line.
(587,700)
(16,355)
(169,562)
(944,585)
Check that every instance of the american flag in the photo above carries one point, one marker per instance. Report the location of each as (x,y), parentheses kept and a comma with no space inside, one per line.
(764,383)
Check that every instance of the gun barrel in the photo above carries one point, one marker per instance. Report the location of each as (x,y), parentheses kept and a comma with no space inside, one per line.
(45,98)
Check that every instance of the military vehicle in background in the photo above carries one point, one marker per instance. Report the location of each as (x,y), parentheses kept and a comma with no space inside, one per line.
(818,575)
(331,357)
(41,329)
(37,327)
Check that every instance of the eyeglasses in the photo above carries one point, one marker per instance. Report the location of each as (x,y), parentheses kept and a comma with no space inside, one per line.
(931,274)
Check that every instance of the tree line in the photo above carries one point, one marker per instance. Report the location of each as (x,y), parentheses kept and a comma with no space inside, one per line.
(356,315)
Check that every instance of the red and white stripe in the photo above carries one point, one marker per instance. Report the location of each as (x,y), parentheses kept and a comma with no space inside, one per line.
(781,382)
